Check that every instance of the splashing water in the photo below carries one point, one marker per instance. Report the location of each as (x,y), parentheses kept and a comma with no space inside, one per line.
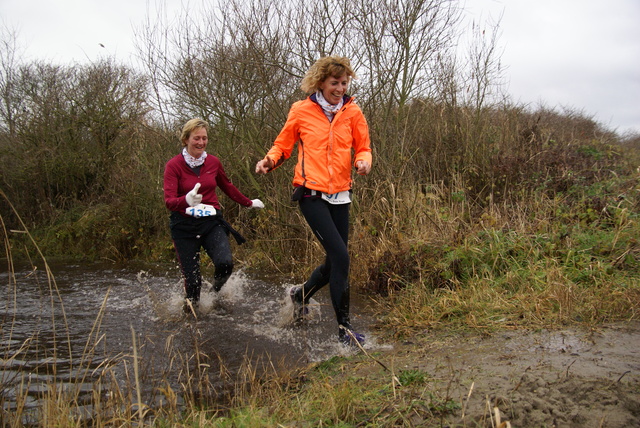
(247,317)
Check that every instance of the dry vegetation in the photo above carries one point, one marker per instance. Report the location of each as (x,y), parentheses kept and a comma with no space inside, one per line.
(478,214)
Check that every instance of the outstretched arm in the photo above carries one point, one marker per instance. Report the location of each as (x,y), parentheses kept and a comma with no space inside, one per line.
(263,166)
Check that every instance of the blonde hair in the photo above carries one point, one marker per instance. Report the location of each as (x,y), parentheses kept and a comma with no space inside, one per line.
(325,67)
(191,126)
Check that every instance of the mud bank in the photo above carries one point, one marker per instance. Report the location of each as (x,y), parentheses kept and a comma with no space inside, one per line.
(564,378)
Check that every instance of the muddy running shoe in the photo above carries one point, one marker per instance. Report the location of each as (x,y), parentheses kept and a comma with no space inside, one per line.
(299,309)
(348,337)
(189,307)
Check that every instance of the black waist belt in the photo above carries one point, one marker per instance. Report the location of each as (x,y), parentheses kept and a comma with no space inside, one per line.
(238,237)
(302,191)
(184,227)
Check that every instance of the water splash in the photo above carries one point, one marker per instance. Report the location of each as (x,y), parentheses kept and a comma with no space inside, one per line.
(247,316)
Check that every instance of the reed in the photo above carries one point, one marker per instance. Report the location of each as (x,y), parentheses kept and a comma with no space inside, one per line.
(476,215)
(548,263)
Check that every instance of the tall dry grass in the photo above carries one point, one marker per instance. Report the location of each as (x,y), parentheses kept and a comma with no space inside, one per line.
(548,260)
(80,385)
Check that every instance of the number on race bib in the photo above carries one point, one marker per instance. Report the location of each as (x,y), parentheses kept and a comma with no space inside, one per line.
(201,210)
(337,198)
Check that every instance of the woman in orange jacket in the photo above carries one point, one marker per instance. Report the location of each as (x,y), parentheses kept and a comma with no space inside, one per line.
(332,136)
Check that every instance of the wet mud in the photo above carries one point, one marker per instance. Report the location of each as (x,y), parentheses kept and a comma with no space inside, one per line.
(577,377)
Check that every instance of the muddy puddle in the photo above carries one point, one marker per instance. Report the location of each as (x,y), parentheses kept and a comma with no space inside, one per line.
(71,326)
(104,315)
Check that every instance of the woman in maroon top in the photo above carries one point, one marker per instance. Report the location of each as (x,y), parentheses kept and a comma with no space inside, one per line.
(196,221)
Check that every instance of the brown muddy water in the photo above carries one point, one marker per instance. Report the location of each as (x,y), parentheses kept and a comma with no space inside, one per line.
(67,329)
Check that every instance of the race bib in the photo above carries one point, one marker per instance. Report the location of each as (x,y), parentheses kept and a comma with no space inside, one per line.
(338,198)
(201,210)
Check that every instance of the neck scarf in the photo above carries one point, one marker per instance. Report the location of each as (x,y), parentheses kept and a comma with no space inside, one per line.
(330,110)
(191,161)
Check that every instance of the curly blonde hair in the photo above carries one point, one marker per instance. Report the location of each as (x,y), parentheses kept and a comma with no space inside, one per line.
(191,126)
(325,67)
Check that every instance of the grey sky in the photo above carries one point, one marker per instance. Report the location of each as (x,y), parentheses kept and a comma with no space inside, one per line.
(580,54)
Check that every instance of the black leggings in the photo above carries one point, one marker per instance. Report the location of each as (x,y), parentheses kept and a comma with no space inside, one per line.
(330,224)
(216,243)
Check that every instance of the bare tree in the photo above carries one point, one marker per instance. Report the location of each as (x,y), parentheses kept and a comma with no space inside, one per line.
(239,66)
(401,43)
(484,71)
(72,126)
(8,75)
(108,100)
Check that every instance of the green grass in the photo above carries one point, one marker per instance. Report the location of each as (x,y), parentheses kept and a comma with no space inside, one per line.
(551,248)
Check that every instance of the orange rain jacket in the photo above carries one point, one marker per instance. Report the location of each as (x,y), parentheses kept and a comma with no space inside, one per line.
(324,148)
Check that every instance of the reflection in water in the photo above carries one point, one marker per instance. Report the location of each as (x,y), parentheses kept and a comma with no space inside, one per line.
(68,332)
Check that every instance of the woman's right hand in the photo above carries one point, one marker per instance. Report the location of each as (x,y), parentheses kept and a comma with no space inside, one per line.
(193,197)
(263,166)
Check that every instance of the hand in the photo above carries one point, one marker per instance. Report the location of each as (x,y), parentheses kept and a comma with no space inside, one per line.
(363,167)
(257,204)
(263,166)
(193,198)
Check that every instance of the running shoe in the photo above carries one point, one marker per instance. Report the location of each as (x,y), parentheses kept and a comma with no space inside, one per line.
(299,308)
(189,307)
(348,337)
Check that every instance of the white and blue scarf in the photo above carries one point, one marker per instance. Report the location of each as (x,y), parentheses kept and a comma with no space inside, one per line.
(191,161)
(330,110)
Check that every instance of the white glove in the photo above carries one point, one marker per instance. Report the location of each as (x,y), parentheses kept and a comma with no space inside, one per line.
(256,203)
(193,198)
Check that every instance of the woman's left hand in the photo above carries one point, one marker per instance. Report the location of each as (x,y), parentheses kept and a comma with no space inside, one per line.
(257,204)
(363,167)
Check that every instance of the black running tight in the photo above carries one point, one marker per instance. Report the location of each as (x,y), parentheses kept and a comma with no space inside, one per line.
(330,224)
(216,244)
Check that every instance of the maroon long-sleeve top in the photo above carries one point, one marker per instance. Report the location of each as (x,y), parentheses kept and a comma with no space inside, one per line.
(179,179)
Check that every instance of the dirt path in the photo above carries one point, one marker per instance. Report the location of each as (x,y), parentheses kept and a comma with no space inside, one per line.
(564,378)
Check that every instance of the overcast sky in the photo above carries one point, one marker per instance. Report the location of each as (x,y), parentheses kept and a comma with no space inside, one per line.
(579,54)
